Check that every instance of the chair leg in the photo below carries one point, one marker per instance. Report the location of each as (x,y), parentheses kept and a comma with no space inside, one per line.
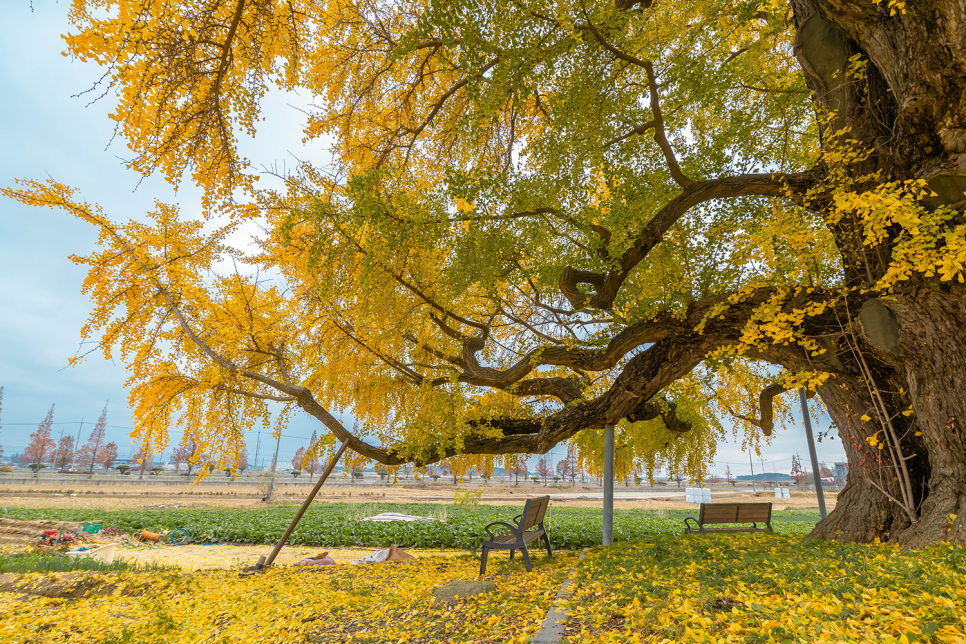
(486,551)
(511,555)
(526,559)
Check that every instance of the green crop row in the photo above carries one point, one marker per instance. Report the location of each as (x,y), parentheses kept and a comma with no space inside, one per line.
(340,524)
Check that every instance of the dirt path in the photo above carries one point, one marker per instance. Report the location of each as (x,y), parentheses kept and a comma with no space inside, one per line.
(235,557)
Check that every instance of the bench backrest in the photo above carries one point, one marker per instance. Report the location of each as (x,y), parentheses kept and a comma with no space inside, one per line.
(735,513)
(533,512)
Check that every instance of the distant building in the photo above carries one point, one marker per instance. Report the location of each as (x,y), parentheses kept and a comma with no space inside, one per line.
(840,472)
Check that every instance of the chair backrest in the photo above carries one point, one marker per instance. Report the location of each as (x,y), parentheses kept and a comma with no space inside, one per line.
(754,512)
(533,512)
(719,513)
(735,513)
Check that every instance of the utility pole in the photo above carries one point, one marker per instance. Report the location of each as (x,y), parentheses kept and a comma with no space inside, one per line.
(753,489)
(257,445)
(762,457)
(76,445)
(57,453)
(271,488)
(811,452)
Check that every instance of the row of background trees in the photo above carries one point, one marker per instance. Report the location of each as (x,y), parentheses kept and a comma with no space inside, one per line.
(63,454)
(43,449)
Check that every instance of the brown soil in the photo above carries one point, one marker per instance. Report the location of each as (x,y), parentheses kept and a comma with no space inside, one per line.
(15,532)
(128,497)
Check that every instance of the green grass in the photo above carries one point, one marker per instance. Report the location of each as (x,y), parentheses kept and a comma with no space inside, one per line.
(340,525)
(55,563)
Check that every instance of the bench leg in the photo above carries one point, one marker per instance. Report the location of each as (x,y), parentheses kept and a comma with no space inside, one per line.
(546,540)
(486,551)
(526,559)
(511,555)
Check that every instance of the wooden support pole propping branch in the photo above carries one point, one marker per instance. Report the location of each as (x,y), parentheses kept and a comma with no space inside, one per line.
(305,506)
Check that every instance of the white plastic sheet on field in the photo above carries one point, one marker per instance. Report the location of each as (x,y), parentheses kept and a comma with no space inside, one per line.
(396,516)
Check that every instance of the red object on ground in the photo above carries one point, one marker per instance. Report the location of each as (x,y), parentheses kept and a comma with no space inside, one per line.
(50,533)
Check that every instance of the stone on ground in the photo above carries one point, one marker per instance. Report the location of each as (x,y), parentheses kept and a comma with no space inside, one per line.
(463,588)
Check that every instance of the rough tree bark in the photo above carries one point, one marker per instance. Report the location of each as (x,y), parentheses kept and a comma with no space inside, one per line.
(913,115)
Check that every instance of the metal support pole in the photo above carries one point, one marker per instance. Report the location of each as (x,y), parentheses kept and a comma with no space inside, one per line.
(608,485)
(305,506)
(811,452)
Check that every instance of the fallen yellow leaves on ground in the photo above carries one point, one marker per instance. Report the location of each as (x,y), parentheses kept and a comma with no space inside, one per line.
(751,588)
(758,588)
(343,603)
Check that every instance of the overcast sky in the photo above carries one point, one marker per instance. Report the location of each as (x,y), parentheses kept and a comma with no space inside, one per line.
(45,132)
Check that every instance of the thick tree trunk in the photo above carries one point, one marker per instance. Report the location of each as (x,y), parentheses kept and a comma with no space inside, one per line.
(932,361)
(862,513)
(912,115)
(924,372)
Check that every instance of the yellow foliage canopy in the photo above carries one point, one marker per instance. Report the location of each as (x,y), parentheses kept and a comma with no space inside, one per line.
(539,218)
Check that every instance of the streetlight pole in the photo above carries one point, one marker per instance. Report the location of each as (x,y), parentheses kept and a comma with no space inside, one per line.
(811,452)
(608,485)
(753,489)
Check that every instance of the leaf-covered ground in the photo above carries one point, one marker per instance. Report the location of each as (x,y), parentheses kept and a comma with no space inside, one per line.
(688,589)
(339,524)
(768,588)
(345,603)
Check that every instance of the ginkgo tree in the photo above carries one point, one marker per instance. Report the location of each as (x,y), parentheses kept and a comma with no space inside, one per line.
(542,217)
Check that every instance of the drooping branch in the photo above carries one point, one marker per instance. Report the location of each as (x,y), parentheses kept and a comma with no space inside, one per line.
(766,404)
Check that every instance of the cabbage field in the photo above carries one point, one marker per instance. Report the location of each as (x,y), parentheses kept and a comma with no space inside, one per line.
(341,524)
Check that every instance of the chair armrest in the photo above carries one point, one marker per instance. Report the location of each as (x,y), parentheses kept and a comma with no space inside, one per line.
(513,529)
(687,526)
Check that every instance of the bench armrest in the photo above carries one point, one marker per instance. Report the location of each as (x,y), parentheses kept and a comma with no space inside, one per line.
(688,527)
(513,529)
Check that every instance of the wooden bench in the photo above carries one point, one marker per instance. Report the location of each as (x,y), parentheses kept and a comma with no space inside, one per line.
(718,513)
(529,527)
